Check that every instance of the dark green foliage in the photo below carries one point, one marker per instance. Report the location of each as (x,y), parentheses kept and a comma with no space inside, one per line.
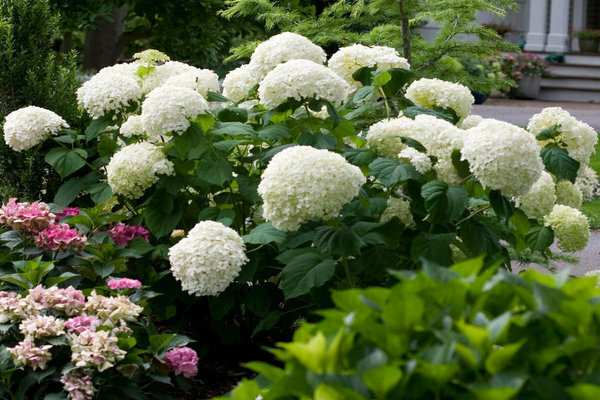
(31,74)
(445,333)
(389,23)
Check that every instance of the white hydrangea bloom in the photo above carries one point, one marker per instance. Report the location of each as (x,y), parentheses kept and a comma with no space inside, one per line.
(437,93)
(579,138)
(200,80)
(570,227)
(302,182)
(238,82)
(587,182)
(420,161)
(281,48)
(541,197)
(301,79)
(397,207)
(347,60)
(129,70)
(29,126)
(160,74)
(151,57)
(438,136)
(169,109)
(208,259)
(108,92)
(470,122)
(502,156)
(133,126)
(446,172)
(135,168)
(568,194)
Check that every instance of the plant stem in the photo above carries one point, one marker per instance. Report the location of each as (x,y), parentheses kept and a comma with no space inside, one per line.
(347,271)
(385,101)
(475,213)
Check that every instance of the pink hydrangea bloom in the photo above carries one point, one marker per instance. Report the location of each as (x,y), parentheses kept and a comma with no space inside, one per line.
(123,234)
(60,237)
(124,283)
(31,216)
(25,353)
(182,360)
(78,385)
(82,323)
(67,211)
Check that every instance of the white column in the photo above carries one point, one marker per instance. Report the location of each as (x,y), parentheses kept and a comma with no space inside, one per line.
(536,35)
(558,38)
(579,14)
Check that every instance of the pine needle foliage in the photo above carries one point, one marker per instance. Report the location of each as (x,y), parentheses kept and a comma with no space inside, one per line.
(393,23)
(32,74)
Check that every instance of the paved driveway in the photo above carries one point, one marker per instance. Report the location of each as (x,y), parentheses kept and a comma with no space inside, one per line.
(518,112)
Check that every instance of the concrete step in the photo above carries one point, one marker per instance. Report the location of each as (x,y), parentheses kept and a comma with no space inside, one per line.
(572,82)
(565,69)
(565,94)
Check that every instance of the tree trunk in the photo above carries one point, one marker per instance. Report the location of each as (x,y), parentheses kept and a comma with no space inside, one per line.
(100,45)
(404,25)
(67,43)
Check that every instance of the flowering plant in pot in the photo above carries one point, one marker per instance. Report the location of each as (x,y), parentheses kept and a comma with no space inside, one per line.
(588,40)
(527,70)
(483,69)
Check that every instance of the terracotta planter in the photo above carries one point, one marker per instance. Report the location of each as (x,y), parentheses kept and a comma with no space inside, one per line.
(588,45)
(529,87)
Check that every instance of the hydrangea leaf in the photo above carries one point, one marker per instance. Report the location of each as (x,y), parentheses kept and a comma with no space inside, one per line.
(66,161)
(264,234)
(557,161)
(305,272)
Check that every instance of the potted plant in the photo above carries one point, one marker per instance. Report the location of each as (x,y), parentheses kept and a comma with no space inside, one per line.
(527,70)
(486,73)
(500,29)
(588,40)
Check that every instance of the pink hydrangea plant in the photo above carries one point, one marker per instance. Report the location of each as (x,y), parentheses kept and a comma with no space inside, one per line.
(31,216)
(82,323)
(67,211)
(124,283)
(182,360)
(78,385)
(123,234)
(60,237)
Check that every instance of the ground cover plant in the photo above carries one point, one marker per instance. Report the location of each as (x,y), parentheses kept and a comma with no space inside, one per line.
(444,333)
(238,211)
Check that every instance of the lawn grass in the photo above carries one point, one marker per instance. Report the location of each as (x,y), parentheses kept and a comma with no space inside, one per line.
(592,208)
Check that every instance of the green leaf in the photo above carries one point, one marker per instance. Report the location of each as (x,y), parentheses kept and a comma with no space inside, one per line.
(435,248)
(382,380)
(461,166)
(158,342)
(96,127)
(233,129)
(213,96)
(501,205)
(413,111)
(390,171)
(107,147)
(188,140)
(399,77)
(500,357)
(539,238)
(66,161)
(215,172)
(557,161)
(363,94)
(444,203)
(69,190)
(584,391)
(549,133)
(140,246)
(304,272)
(233,114)
(161,216)
(247,186)
(341,241)
(360,156)
(100,192)
(415,144)
(274,133)
(264,234)
(364,75)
